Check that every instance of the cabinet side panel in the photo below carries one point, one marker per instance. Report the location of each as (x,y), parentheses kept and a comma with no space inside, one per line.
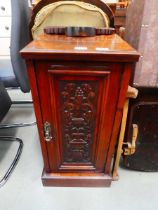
(108,111)
(118,114)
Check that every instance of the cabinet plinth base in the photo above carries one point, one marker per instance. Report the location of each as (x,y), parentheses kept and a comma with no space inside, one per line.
(76,180)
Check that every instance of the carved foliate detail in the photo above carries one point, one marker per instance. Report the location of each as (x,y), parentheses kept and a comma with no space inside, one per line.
(78,110)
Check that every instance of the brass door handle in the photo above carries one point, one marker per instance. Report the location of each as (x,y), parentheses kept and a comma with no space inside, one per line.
(47,132)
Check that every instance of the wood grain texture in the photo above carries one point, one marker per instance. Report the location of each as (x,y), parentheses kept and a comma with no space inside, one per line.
(81,94)
(76,180)
(37,108)
(118,114)
(99,48)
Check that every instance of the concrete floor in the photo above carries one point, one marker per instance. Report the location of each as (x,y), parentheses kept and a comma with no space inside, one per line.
(24,190)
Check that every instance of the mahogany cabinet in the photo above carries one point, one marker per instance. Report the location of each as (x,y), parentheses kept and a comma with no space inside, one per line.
(79,87)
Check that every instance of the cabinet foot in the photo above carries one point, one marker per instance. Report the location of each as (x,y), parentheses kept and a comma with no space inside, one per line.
(76,179)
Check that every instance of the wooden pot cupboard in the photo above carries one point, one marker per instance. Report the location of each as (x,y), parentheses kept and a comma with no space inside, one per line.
(79,87)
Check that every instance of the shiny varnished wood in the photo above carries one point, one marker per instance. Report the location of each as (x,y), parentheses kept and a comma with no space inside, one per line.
(105,48)
(78,31)
(81,94)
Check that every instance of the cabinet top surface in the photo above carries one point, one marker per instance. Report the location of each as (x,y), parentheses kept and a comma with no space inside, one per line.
(104,47)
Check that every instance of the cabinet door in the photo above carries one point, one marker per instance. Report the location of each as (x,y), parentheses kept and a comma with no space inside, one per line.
(80,106)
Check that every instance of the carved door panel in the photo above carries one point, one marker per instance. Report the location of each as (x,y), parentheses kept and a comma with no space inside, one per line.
(76,104)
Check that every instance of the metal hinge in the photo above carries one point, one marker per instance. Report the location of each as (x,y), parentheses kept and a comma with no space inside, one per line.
(130,148)
(47,132)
